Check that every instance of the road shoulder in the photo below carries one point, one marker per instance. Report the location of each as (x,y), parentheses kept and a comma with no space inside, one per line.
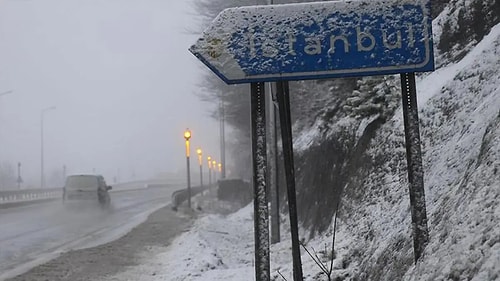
(156,232)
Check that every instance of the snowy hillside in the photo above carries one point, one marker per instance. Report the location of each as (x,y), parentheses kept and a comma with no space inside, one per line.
(460,128)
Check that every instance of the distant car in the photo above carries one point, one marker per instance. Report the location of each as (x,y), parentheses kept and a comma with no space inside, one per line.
(87,188)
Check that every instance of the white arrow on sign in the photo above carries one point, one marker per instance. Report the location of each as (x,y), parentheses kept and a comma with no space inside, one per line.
(318,40)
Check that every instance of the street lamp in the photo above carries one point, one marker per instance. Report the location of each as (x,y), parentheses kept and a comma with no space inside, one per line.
(214,168)
(209,171)
(42,175)
(64,174)
(220,167)
(198,151)
(187,136)
(19,179)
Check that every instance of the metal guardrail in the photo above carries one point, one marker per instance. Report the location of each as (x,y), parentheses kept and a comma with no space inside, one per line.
(25,195)
(29,195)
(181,195)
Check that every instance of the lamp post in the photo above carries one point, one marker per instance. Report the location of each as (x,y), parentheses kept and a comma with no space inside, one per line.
(222,138)
(187,136)
(209,171)
(19,179)
(214,169)
(64,174)
(42,175)
(198,151)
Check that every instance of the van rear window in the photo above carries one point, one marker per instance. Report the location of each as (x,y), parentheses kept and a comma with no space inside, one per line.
(82,182)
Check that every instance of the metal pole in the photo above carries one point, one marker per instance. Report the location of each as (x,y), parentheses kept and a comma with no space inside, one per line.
(415,167)
(283,95)
(277,232)
(187,137)
(200,162)
(201,176)
(188,182)
(209,173)
(19,181)
(42,179)
(261,214)
(222,139)
(64,173)
(272,167)
(214,170)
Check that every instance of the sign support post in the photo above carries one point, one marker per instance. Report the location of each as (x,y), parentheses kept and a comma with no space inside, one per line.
(273,165)
(283,95)
(259,157)
(415,167)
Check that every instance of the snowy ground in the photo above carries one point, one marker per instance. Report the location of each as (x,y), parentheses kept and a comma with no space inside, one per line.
(216,248)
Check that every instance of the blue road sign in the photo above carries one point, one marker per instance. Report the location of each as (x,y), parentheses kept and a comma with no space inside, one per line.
(318,40)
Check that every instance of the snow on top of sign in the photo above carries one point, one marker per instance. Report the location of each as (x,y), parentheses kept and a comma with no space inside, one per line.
(279,18)
(238,31)
(314,11)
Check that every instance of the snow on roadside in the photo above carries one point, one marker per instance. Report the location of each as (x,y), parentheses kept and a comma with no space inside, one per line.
(215,248)
(222,248)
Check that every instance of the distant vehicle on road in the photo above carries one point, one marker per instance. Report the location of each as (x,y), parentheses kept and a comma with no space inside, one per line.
(87,188)
(234,190)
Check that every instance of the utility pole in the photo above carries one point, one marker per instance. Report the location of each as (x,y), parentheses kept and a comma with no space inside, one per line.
(19,178)
(222,120)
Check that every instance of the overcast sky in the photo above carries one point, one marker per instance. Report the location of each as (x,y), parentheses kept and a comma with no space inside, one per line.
(120,77)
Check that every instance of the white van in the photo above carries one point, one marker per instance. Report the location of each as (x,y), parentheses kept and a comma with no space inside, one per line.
(87,187)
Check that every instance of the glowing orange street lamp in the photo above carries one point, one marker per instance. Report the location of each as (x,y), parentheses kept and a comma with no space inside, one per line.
(187,137)
(220,167)
(198,151)
(214,168)
(209,171)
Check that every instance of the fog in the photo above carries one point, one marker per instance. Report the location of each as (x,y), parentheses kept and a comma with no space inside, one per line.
(121,79)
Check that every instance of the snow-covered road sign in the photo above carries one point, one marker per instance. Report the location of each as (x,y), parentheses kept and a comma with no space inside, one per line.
(318,40)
